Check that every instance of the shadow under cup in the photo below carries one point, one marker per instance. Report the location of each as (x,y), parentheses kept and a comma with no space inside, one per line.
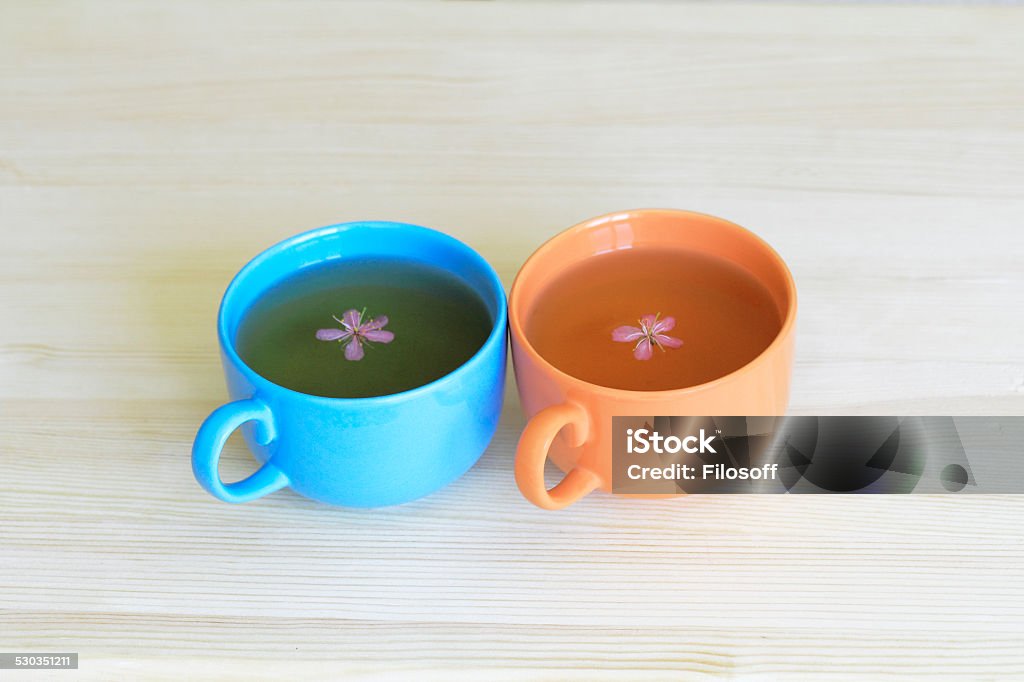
(357,452)
(570,419)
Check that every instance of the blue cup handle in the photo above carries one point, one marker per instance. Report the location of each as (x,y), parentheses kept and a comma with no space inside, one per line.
(210,441)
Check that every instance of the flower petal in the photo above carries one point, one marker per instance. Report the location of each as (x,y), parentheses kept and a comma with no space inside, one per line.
(351,319)
(378,335)
(668,341)
(663,325)
(376,323)
(354,349)
(648,320)
(643,350)
(626,333)
(331,334)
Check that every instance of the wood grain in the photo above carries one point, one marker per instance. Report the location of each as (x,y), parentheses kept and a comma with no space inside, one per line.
(147,151)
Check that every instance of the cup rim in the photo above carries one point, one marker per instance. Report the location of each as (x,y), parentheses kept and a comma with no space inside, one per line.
(498,326)
(518,333)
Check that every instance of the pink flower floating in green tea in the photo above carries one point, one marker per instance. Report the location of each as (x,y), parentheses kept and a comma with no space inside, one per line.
(357,332)
(649,334)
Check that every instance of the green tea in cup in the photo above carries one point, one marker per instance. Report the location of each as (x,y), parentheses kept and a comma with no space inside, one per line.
(363,328)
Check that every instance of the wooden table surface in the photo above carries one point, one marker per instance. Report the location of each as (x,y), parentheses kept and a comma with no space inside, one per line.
(148,151)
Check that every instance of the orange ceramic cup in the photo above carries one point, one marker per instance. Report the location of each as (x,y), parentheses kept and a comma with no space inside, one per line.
(570,419)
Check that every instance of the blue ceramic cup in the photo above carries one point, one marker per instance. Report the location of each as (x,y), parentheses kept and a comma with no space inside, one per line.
(356,452)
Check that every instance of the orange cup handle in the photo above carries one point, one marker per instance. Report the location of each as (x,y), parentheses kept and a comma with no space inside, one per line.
(532,453)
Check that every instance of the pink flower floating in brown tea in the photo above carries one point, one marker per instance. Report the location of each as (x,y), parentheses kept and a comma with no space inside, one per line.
(357,332)
(650,333)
